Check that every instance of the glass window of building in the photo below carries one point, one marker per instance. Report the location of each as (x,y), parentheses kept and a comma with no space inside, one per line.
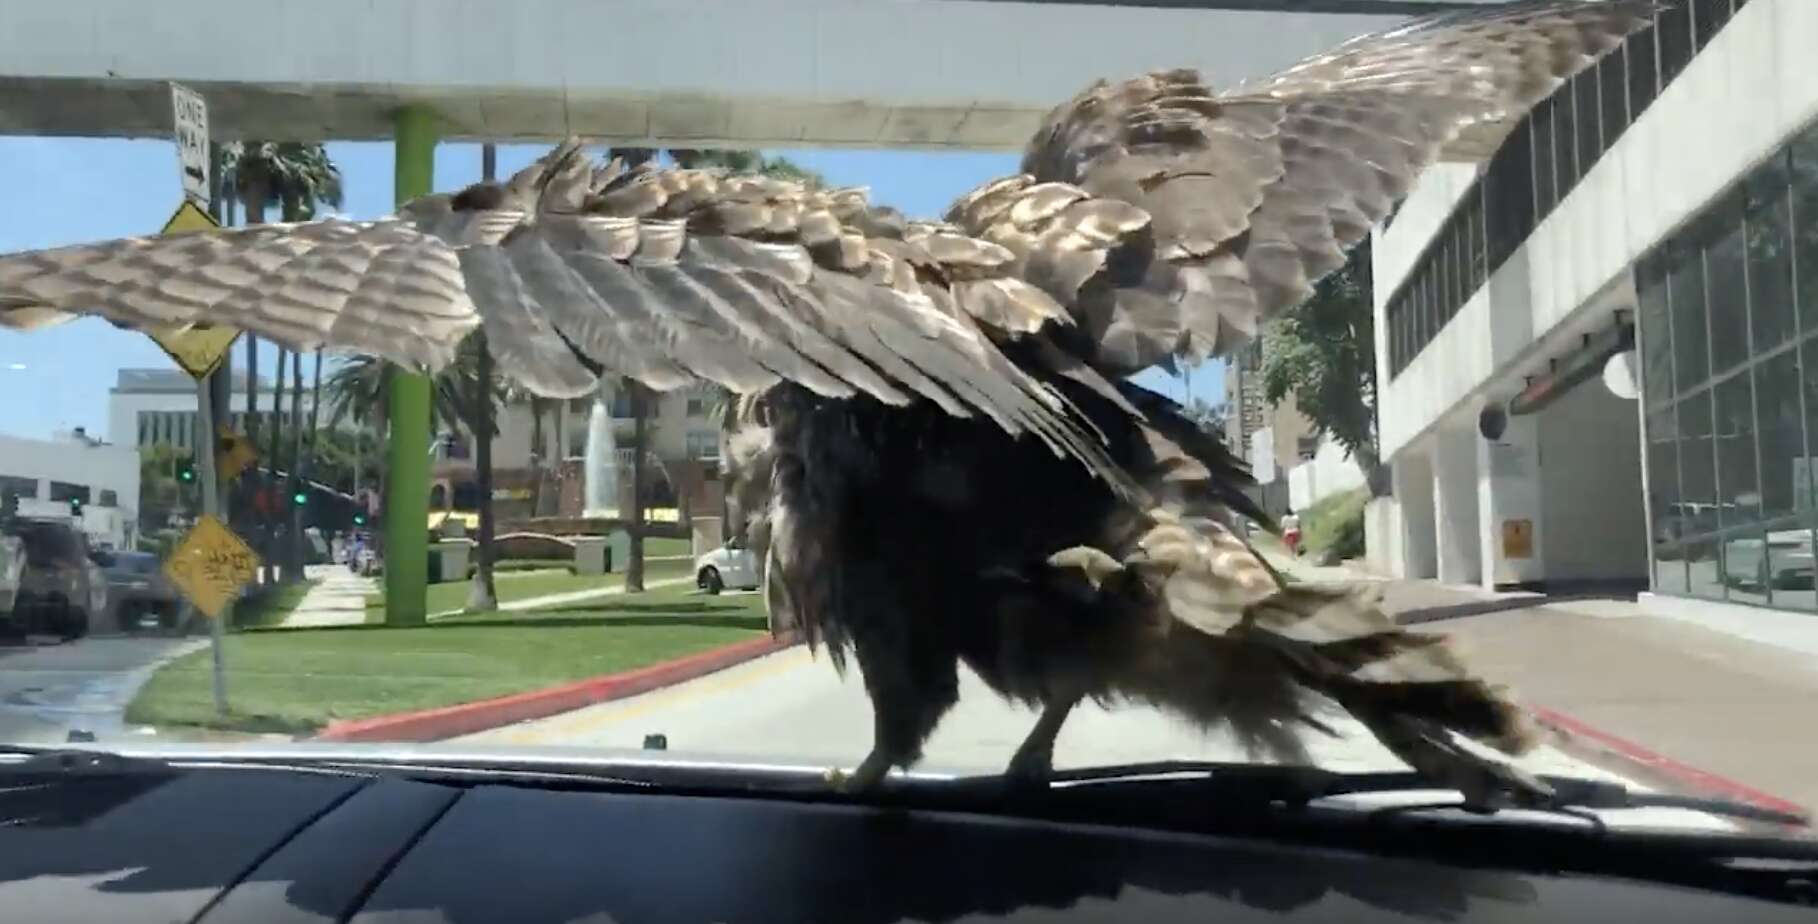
(1675,31)
(65,491)
(1644,76)
(1708,16)
(1613,94)
(1781,430)
(1509,195)
(1726,285)
(1773,315)
(1803,177)
(1565,142)
(1738,487)
(1804,478)
(21,488)
(1697,464)
(1587,108)
(702,444)
(1691,339)
(1656,329)
(1545,191)
(1663,477)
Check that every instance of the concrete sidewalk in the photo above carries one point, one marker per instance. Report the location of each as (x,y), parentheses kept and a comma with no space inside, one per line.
(1677,699)
(572,596)
(337,599)
(1703,698)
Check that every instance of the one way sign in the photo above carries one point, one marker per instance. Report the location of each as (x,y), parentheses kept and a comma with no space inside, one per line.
(192,141)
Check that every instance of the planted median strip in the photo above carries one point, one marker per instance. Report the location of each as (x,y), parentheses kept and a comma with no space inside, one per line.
(452,595)
(296,681)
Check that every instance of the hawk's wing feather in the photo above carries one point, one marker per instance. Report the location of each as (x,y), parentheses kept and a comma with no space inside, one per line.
(1228,207)
(664,276)
(379,283)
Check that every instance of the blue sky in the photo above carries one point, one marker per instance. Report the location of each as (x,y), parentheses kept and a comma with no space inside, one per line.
(67,191)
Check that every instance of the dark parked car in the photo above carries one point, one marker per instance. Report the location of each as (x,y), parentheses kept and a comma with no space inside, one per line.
(61,585)
(139,595)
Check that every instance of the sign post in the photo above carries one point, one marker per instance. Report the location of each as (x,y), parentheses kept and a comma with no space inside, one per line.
(191,124)
(199,350)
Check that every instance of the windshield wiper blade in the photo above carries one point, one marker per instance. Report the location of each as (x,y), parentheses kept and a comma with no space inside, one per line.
(1298,786)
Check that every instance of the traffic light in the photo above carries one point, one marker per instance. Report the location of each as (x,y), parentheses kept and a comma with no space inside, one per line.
(300,498)
(359,519)
(75,506)
(186,472)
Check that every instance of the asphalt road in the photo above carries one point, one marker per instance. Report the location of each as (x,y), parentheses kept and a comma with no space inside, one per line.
(793,708)
(47,691)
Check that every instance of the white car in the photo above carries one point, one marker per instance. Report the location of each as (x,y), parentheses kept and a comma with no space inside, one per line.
(730,565)
(1782,560)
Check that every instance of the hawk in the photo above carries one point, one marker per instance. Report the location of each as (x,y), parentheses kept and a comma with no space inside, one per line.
(936,437)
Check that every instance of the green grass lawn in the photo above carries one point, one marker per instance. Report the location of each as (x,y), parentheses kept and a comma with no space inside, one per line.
(655,546)
(517,585)
(298,680)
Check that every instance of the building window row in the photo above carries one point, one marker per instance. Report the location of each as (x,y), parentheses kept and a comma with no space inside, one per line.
(1541,161)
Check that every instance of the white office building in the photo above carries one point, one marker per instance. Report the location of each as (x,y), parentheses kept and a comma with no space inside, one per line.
(46,476)
(1598,350)
(158,406)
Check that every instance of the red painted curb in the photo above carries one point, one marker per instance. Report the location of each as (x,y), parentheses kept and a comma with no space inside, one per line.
(1688,776)
(467,718)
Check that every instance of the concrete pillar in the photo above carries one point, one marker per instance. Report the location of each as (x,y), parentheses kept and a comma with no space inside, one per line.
(707,535)
(1460,559)
(1508,504)
(618,549)
(407,461)
(1412,470)
(589,554)
(453,555)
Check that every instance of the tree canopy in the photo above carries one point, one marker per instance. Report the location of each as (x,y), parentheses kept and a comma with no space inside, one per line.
(1323,352)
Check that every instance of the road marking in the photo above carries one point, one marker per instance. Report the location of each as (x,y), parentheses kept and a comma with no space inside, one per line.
(591,720)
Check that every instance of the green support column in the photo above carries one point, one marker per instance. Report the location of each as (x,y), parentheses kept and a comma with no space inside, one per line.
(407,462)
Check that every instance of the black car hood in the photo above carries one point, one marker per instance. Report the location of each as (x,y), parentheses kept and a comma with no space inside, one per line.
(216,845)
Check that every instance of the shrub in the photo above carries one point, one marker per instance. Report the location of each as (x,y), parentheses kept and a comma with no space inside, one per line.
(1334,526)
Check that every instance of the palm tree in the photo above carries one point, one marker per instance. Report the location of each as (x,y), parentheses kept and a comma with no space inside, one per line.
(292,570)
(483,595)
(297,178)
(272,461)
(359,389)
(466,394)
(634,517)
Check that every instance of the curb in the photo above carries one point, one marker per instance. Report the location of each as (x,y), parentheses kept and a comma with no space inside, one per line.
(1665,767)
(467,718)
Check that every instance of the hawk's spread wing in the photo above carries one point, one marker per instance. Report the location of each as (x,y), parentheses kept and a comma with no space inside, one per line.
(665,276)
(1157,216)
(1170,218)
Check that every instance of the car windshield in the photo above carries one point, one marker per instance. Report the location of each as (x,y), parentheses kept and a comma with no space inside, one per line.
(862,411)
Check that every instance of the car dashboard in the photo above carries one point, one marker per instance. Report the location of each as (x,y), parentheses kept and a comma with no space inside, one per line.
(233,844)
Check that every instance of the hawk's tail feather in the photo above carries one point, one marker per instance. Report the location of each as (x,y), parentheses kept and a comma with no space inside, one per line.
(1273,643)
(1341,643)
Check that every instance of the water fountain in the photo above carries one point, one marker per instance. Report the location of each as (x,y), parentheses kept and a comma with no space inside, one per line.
(599,464)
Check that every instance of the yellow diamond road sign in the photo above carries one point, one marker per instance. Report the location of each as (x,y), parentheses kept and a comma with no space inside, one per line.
(197,349)
(189,217)
(211,565)
(236,453)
